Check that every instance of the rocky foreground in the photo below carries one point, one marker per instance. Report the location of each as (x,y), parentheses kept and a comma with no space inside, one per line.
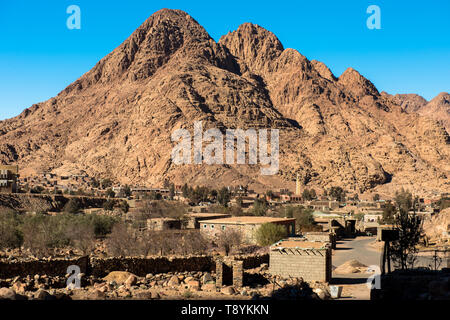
(122,285)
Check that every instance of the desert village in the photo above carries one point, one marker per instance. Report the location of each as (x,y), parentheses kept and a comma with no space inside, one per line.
(318,258)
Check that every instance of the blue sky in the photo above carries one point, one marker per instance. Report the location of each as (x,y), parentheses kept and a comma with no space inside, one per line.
(40,56)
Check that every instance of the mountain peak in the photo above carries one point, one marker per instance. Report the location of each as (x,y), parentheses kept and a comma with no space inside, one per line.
(253,45)
(358,85)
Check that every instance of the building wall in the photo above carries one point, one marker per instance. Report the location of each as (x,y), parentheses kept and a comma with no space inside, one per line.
(8,178)
(321,237)
(311,264)
(248,230)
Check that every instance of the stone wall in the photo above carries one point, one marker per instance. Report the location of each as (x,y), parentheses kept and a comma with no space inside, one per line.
(54,267)
(100,267)
(143,266)
(309,264)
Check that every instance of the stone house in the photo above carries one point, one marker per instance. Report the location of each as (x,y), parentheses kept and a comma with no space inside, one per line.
(248,225)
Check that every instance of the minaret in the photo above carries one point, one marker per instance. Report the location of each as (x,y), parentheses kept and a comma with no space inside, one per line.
(297,186)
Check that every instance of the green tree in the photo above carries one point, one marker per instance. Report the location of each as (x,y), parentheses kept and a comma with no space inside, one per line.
(108,205)
(260,207)
(106,183)
(306,195)
(376,197)
(269,233)
(171,191)
(304,219)
(124,206)
(223,197)
(337,193)
(127,191)
(10,236)
(110,193)
(404,251)
(72,206)
(389,212)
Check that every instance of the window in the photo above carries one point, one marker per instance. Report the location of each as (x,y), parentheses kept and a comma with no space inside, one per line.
(204,226)
(224,227)
(212,226)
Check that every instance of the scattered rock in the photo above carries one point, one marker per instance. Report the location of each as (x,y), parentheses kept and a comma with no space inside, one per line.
(119,277)
(19,287)
(207,278)
(174,281)
(228,291)
(211,287)
(7,294)
(43,295)
(131,281)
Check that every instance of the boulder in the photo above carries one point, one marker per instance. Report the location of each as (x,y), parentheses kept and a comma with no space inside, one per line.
(207,278)
(7,294)
(43,295)
(174,281)
(228,291)
(211,287)
(131,281)
(119,277)
(19,287)
(194,285)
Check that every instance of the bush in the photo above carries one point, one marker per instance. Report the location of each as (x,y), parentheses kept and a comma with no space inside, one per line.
(124,206)
(72,206)
(260,207)
(194,243)
(229,239)
(269,233)
(102,225)
(108,205)
(10,236)
(122,241)
(81,235)
(43,233)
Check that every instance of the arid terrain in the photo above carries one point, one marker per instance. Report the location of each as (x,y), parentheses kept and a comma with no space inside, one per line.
(116,120)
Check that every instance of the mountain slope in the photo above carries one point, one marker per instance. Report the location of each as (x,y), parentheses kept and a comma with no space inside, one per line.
(117,119)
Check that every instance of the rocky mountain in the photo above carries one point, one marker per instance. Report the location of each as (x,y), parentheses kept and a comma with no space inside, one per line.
(117,119)
(437,109)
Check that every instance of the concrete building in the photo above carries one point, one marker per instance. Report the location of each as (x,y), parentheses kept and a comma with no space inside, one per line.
(248,225)
(195,219)
(8,178)
(301,259)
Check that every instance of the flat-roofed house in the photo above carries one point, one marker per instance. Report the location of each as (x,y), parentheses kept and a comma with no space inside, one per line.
(195,219)
(248,225)
(8,178)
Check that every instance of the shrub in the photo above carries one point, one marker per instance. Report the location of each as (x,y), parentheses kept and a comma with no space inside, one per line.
(269,233)
(81,235)
(229,239)
(260,207)
(124,206)
(72,206)
(108,205)
(43,233)
(10,236)
(102,225)
(122,241)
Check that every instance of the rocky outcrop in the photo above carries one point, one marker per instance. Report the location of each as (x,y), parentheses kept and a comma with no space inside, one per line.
(117,119)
